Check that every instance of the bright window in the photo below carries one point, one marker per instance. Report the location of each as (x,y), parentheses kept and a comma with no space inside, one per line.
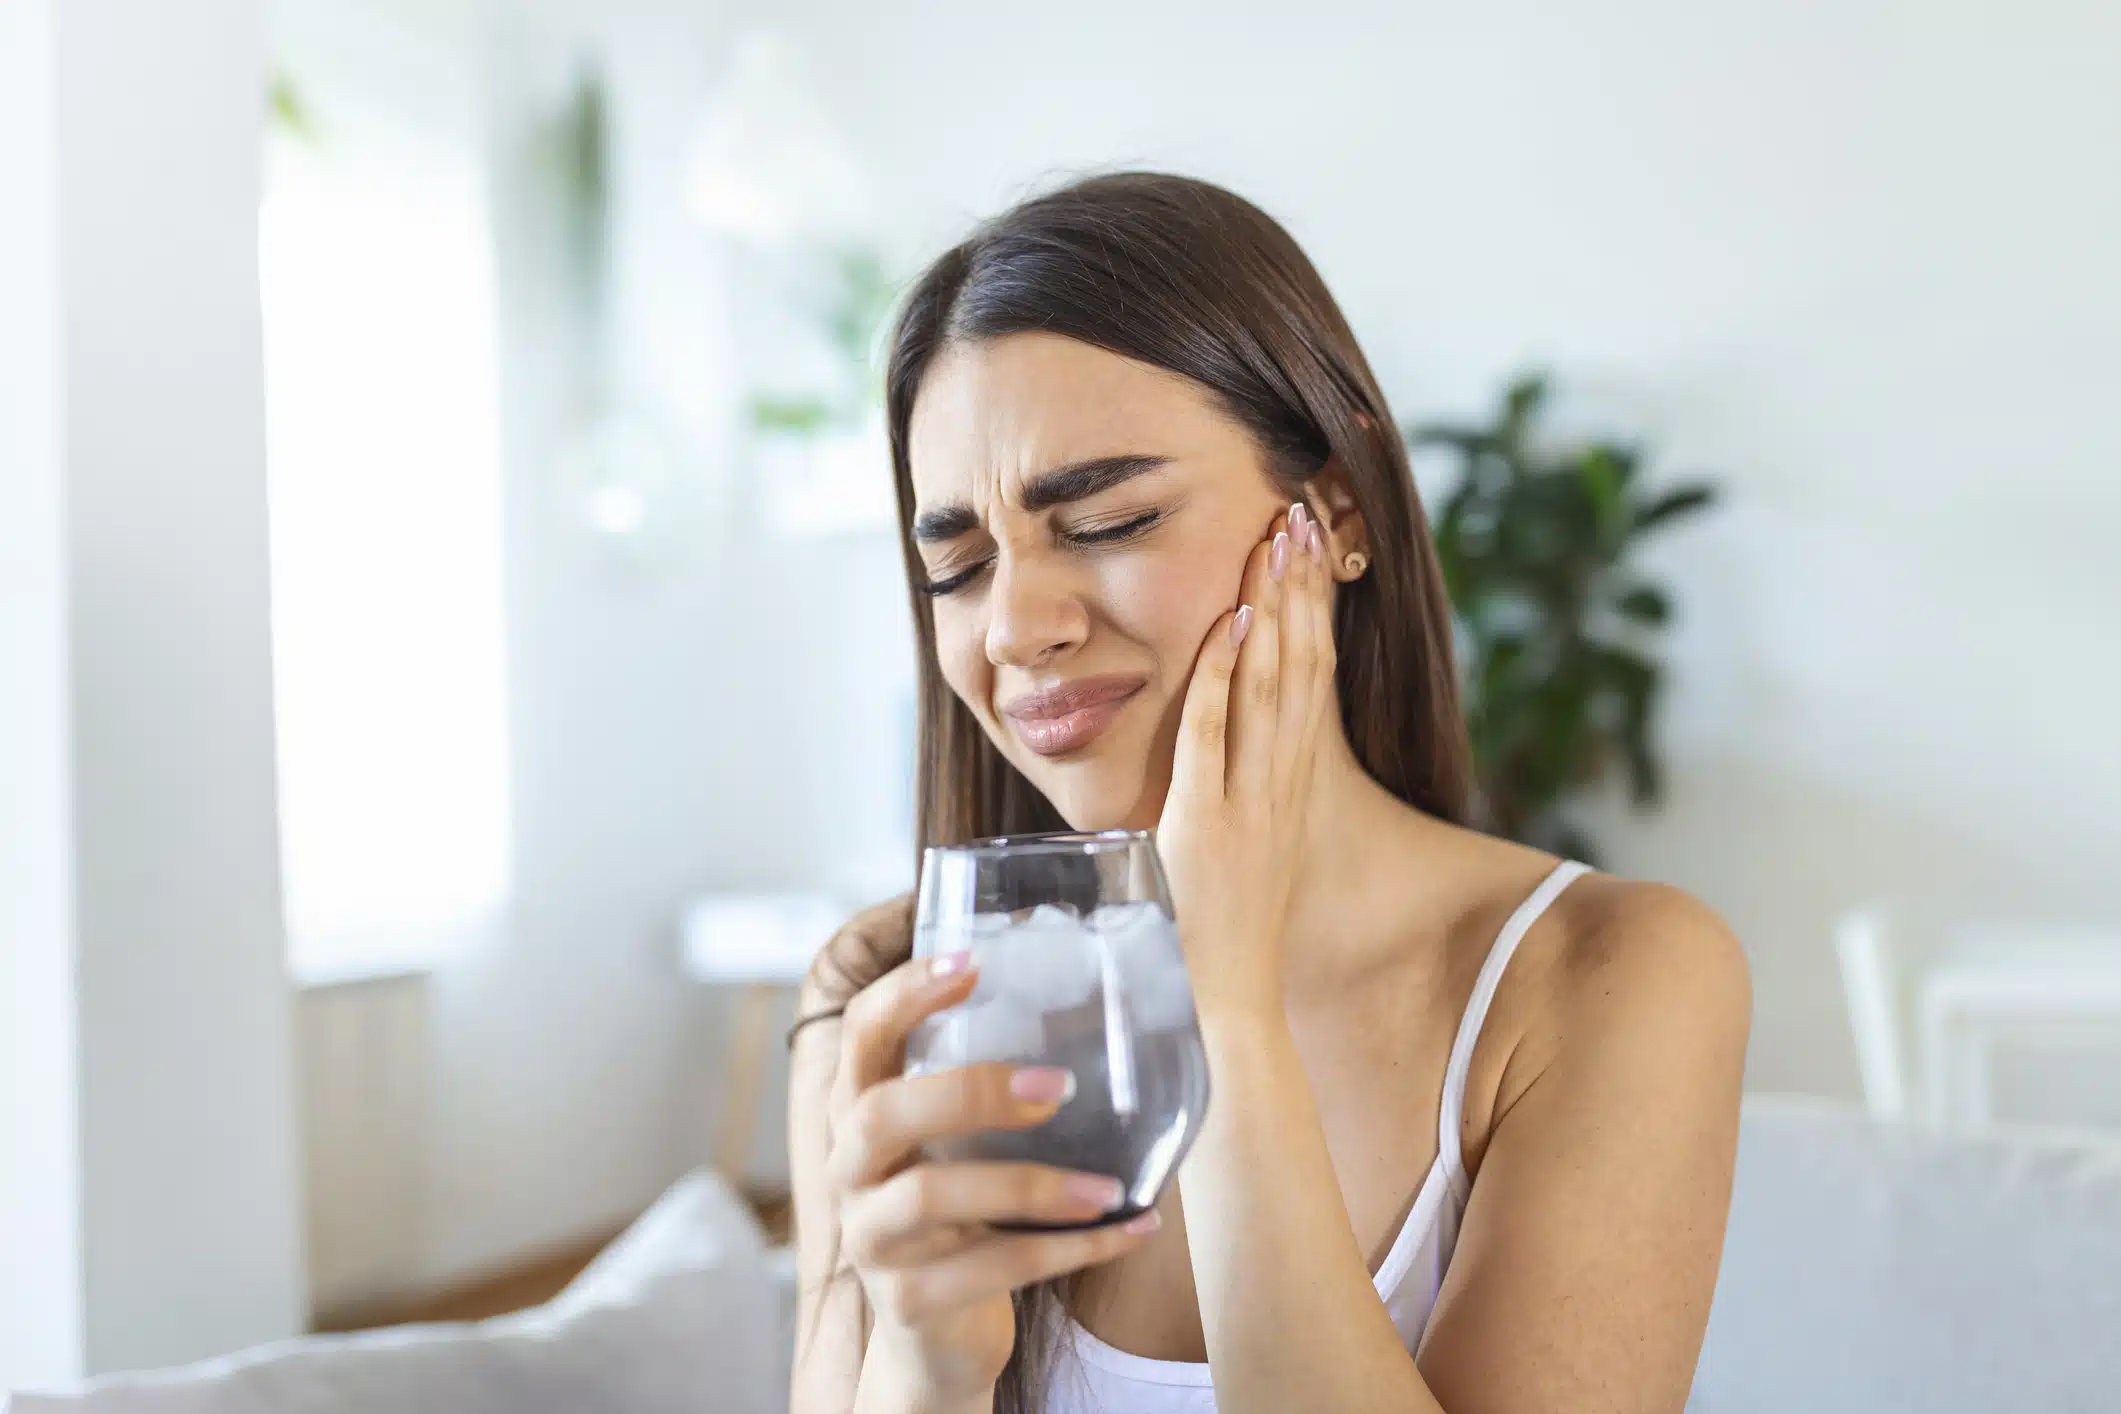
(385,484)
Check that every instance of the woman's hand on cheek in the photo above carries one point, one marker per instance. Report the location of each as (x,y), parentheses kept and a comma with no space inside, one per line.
(1233,823)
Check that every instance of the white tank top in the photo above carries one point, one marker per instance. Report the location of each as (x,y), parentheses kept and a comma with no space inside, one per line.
(1100,1379)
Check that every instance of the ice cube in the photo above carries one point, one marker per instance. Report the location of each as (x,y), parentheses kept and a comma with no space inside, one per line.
(1137,930)
(1046,962)
(1161,996)
(1003,1029)
(1152,968)
(1114,919)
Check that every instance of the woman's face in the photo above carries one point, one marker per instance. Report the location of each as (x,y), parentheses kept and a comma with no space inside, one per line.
(1083,520)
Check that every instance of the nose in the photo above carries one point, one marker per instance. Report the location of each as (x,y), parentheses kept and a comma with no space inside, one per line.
(1037,615)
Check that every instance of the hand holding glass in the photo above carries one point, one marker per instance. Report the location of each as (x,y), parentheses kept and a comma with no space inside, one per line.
(1079,967)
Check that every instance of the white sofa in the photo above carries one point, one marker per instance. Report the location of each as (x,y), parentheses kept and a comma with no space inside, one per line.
(684,1314)
(1870,1269)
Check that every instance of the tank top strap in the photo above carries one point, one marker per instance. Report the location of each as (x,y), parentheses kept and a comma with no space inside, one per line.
(1451,1115)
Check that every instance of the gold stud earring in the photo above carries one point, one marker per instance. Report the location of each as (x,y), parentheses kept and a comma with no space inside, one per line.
(1355,563)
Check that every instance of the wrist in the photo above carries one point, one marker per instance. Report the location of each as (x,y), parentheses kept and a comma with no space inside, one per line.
(897,1378)
(1245,1042)
(1244,1013)
(1234,976)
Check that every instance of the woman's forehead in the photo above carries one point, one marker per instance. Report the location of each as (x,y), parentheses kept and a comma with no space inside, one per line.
(1012,407)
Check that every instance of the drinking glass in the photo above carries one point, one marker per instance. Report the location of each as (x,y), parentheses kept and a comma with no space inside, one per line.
(1079,967)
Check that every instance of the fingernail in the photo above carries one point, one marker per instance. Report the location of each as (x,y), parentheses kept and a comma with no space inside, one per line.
(1297,517)
(1095,1188)
(1043,1085)
(949,964)
(1318,543)
(1278,557)
(1147,1222)
(1239,625)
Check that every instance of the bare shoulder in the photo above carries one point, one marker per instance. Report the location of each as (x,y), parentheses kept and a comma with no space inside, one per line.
(1635,1000)
(1636,951)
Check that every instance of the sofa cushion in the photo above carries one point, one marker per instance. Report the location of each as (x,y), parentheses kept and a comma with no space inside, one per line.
(685,1313)
(1872,1268)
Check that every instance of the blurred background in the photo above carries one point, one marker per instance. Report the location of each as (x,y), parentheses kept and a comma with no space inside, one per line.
(454,663)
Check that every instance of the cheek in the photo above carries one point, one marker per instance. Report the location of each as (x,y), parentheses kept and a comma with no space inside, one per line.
(1169,600)
(961,653)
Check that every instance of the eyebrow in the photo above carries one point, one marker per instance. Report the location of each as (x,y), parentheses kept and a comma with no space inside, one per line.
(1077,481)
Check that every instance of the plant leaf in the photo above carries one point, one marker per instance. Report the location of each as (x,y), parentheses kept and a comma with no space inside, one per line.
(1466,441)
(1520,405)
(1645,603)
(1673,505)
(288,110)
(1599,472)
(799,415)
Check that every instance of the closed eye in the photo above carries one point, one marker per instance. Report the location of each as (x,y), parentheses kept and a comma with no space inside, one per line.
(937,588)
(1113,534)
(1101,535)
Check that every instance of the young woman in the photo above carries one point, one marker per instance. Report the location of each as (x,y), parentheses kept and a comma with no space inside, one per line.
(1475,1107)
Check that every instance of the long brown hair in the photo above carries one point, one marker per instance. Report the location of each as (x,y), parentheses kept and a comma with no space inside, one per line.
(1193,279)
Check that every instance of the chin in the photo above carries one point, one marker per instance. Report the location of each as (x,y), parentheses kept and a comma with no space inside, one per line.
(1098,795)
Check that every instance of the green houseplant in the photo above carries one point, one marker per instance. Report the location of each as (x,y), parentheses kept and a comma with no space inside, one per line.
(1558,631)
(851,312)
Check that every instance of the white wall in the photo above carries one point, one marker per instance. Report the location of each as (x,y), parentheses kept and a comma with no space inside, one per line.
(40,1212)
(144,433)
(1858,261)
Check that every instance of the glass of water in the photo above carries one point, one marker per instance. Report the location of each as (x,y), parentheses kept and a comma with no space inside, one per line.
(1079,967)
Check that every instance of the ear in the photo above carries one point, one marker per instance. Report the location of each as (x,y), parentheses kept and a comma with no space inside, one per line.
(1339,517)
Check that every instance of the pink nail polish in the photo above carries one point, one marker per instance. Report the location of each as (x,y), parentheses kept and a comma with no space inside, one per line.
(1318,543)
(1147,1222)
(1094,1188)
(1297,517)
(1042,1085)
(949,964)
(1239,625)
(1278,557)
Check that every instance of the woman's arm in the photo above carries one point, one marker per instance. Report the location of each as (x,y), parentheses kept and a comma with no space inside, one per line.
(1583,1272)
(1589,1252)
(832,1320)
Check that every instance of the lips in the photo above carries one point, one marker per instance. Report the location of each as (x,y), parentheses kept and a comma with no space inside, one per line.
(1065,717)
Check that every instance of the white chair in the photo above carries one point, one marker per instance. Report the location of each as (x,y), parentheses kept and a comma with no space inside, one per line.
(1930,1012)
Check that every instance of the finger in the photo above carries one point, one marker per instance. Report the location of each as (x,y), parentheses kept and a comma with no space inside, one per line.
(1199,769)
(883,1014)
(1255,697)
(930,1244)
(1299,649)
(1325,704)
(889,1122)
(1003,1264)
(950,1201)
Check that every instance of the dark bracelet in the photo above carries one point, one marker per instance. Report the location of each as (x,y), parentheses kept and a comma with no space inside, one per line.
(803,1021)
